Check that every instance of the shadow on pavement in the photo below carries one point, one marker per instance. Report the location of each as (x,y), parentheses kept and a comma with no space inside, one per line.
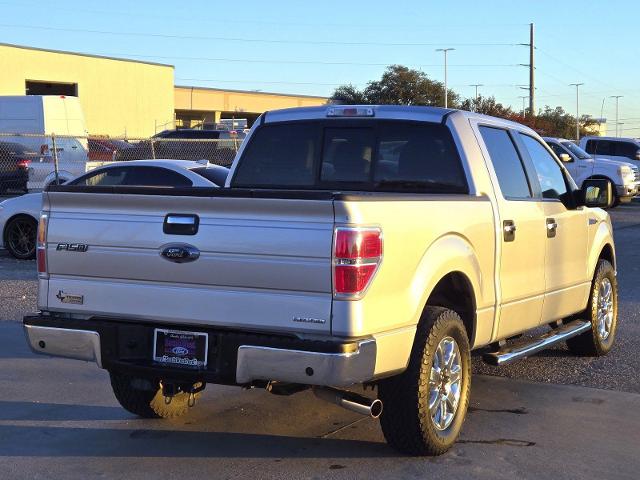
(29,441)
(59,412)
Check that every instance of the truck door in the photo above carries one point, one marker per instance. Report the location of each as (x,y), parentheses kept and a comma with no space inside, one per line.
(521,243)
(566,232)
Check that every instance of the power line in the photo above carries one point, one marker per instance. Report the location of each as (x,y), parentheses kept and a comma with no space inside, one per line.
(250,40)
(304,62)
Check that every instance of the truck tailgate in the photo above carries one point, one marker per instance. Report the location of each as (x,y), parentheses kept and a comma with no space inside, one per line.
(264,263)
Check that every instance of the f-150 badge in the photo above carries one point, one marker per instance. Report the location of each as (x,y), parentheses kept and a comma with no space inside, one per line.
(68,298)
(72,247)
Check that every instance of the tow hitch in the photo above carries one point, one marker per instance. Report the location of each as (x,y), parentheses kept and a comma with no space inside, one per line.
(171,389)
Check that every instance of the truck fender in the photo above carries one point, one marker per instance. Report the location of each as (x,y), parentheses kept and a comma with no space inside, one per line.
(600,176)
(601,239)
(448,254)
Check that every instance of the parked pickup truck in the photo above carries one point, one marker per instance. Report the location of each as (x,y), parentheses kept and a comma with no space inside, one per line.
(371,245)
(623,175)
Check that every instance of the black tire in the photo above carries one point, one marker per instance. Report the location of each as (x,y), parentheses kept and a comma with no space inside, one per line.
(19,237)
(406,420)
(144,397)
(592,343)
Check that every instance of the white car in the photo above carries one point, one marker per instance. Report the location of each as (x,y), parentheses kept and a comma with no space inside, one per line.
(19,215)
(623,175)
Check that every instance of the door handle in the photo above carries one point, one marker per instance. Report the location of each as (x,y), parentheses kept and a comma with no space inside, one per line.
(509,230)
(180,224)
(552,227)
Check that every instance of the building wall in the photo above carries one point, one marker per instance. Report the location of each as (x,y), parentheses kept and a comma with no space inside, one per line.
(197,101)
(118,96)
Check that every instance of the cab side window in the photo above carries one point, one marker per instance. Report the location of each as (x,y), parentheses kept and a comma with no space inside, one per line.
(550,174)
(604,147)
(626,149)
(506,163)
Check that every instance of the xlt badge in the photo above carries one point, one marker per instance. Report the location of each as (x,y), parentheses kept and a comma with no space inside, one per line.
(309,320)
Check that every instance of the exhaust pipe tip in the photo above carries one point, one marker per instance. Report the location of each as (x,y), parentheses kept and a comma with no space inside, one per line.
(376,408)
(350,401)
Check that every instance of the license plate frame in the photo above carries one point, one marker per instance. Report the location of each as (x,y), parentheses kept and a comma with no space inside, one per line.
(184,349)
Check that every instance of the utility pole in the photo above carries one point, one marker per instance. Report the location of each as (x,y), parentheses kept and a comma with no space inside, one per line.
(617,97)
(445,50)
(532,80)
(577,85)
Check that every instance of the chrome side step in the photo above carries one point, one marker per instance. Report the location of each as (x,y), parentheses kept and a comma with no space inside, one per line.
(560,334)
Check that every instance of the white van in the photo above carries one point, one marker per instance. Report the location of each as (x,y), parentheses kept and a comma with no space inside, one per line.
(32,119)
(613,148)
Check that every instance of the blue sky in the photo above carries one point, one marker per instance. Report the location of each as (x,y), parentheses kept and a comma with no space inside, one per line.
(311,47)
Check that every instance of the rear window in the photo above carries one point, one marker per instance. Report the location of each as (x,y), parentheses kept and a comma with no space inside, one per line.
(353,155)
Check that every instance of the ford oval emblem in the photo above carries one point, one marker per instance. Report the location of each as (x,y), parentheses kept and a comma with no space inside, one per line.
(180,253)
(179,351)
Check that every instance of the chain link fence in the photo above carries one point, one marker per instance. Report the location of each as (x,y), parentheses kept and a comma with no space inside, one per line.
(30,162)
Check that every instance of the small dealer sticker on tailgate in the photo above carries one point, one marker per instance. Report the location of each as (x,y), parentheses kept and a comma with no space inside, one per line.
(69,298)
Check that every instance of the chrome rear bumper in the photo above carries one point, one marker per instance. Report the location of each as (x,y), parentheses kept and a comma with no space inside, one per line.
(63,342)
(354,365)
(310,368)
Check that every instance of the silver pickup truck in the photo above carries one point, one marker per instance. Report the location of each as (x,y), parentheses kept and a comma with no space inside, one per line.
(373,245)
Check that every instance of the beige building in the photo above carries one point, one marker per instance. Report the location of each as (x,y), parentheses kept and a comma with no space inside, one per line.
(200,105)
(118,96)
(129,97)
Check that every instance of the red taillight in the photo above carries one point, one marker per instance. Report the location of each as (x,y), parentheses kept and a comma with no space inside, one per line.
(24,163)
(41,246)
(356,257)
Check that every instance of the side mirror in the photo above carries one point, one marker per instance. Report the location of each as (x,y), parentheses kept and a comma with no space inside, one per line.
(596,193)
(566,158)
(638,155)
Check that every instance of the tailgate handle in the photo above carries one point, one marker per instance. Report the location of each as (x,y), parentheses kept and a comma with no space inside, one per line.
(180,224)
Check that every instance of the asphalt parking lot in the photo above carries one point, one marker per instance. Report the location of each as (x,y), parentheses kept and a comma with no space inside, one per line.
(58,418)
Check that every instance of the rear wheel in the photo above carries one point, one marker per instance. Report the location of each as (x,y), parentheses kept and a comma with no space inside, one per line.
(602,312)
(425,406)
(20,237)
(144,397)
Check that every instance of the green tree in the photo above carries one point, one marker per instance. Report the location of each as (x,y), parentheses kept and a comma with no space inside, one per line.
(399,85)
(349,95)
(556,122)
(486,106)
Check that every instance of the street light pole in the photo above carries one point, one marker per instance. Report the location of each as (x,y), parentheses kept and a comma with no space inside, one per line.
(617,97)
(523,97)
(577,85)
(445,50)
(476,85)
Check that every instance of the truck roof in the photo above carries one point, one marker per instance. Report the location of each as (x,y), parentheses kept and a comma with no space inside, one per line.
(390,112)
